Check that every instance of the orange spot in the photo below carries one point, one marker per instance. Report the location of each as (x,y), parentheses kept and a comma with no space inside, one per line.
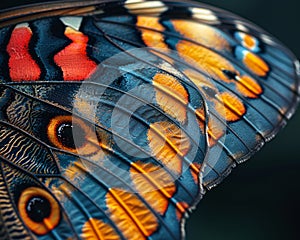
(150,29)
(199,78)
(97,229)
(206,60)
(56,191)
(22,67)
(154,184)
(171,96)
(130,214)
(168,144)
(215,128)
(201,117)
(248,87)
(84,107)
(201,81)
(249,41)
(73,59)
(195,171)
(181,210)
(76,173)
(231,106)
(48,223)
(256,64)
(201,33)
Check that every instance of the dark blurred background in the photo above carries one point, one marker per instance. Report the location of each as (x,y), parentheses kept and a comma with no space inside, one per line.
(260,199)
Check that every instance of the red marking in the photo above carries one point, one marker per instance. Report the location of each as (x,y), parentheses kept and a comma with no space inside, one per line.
(73,59)
(22,67)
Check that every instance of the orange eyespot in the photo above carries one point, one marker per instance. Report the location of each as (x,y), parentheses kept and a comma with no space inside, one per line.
(72,134)
(39,210)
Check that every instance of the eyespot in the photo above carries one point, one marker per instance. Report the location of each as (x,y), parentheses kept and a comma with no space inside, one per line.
(39,210)
(72,134)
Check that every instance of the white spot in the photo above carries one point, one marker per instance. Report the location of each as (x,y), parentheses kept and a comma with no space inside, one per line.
(203,11)
(73,22)
(145,7)
(266,39)
(132,1)
(22,25)
(241,27)
(170,69)
(204,14)
(245,52)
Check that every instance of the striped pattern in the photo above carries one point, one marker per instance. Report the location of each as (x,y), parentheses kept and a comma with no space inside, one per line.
(11,225)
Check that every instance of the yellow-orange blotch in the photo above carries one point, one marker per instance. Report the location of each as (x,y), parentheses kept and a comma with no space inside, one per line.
(76,172)
(230,107)
(171,96)
(195,171)
(249,41)
(154,184)
(200,80)
(154,37)
(130,214)
(168,144)
(215,129)
(50,184)
(248,87)
(181,210)
(97,229)
(256,64)
(201,33)
(206,60)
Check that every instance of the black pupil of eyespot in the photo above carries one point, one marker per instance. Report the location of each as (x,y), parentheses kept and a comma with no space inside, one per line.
(229,74)
(71,135)
(38,208)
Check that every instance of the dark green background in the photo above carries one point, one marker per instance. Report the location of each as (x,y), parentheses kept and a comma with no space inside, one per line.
(260,199)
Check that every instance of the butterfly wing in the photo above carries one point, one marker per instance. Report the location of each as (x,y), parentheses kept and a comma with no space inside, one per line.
(107,182)
(118,106)
(253,77)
